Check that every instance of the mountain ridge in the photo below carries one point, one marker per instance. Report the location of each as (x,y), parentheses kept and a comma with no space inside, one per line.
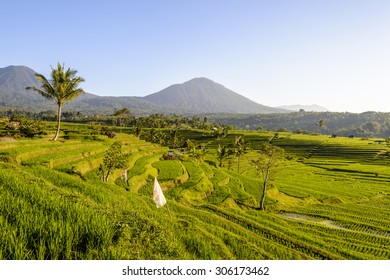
(309,108)
(13,93)
(196,96)
(206,96)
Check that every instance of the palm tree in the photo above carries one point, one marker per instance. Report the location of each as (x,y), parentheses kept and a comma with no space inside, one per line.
(191,147)
(223,153)
(240,148)
(63,86)
(121,115)
(174,138)
(321,123)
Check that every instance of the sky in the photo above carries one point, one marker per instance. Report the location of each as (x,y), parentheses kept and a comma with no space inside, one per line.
(334,53)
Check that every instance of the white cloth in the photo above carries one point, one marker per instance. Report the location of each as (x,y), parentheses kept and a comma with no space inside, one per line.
(158,195)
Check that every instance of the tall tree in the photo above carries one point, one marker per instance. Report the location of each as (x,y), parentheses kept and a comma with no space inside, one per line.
(191,147)
(114,159)
(200,153)
(240,148)
(223,152)
(121,115)
(63,86)
(266,164)
(174,138)
(321,123)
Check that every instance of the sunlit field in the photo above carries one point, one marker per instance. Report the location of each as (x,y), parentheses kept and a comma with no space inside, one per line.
(328,199)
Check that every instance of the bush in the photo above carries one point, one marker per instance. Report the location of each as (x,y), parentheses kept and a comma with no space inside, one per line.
(114,159)
(25,127)
(111,134)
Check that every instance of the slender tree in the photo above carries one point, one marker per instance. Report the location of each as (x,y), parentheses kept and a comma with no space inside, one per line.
(174,138)
(114,159)
(240,148)
(138,129)
(200,153)
(321,123)
(266,164)
(223,152)
(121,115)
(191,147)
(63,86)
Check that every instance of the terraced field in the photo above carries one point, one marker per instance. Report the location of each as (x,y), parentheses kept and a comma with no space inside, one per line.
(330,199)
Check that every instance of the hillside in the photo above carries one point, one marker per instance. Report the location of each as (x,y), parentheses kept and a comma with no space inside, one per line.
(13,81)
(328,200)
(201,95)
(13,95)
(193,97)
(367,124)
(94,104)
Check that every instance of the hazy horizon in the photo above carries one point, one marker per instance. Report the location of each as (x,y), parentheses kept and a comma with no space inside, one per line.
(330,53)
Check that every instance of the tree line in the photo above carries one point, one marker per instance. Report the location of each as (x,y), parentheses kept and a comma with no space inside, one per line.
(64,85)
(367,124)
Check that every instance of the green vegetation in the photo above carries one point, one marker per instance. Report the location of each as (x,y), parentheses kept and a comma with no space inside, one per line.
(240,147)
(114,159)
(266,164)
(329,199)
(63,86)
(367,124)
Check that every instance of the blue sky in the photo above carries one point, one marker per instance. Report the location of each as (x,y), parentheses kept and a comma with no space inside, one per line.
(335,53)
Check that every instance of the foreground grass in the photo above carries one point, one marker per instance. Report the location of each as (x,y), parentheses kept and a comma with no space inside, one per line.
(329,200)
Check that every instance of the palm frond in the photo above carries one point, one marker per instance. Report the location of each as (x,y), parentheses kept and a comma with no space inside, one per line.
(46,89)
(72,89)
(41,92)
(73,94)
(63,86)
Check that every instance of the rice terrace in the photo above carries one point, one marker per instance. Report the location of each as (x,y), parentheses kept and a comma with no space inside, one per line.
(225,138)
(326,198)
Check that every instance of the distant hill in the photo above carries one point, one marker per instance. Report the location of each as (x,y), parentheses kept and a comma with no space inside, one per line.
(16,78)
(94,104)
(13,95)
(308,108)
(13,81)
(199,95)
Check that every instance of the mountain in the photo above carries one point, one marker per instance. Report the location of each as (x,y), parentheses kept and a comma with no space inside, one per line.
(16,78)
(94,104)
(201,95)
(197,96)
(13,81)
(13,95)
(308,108)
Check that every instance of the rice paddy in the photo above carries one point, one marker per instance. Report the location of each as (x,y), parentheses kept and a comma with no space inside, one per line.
(329,199)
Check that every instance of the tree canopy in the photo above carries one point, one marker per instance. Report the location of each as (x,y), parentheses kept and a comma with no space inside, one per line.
(63,86)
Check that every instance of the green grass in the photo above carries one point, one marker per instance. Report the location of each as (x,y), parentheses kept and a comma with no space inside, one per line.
(330,199)
(168,169)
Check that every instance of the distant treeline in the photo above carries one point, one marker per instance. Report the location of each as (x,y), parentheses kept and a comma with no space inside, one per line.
(367,124)
(125,119)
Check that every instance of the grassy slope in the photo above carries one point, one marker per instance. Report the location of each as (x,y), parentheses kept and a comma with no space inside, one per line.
(331,200)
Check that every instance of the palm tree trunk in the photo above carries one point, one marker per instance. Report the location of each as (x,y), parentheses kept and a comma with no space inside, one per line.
(263,196)
(265,180)
(107,175)
(58,123)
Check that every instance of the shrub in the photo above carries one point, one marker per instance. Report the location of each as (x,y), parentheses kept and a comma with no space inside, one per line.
(25,127)
(111,134)
(114,159)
